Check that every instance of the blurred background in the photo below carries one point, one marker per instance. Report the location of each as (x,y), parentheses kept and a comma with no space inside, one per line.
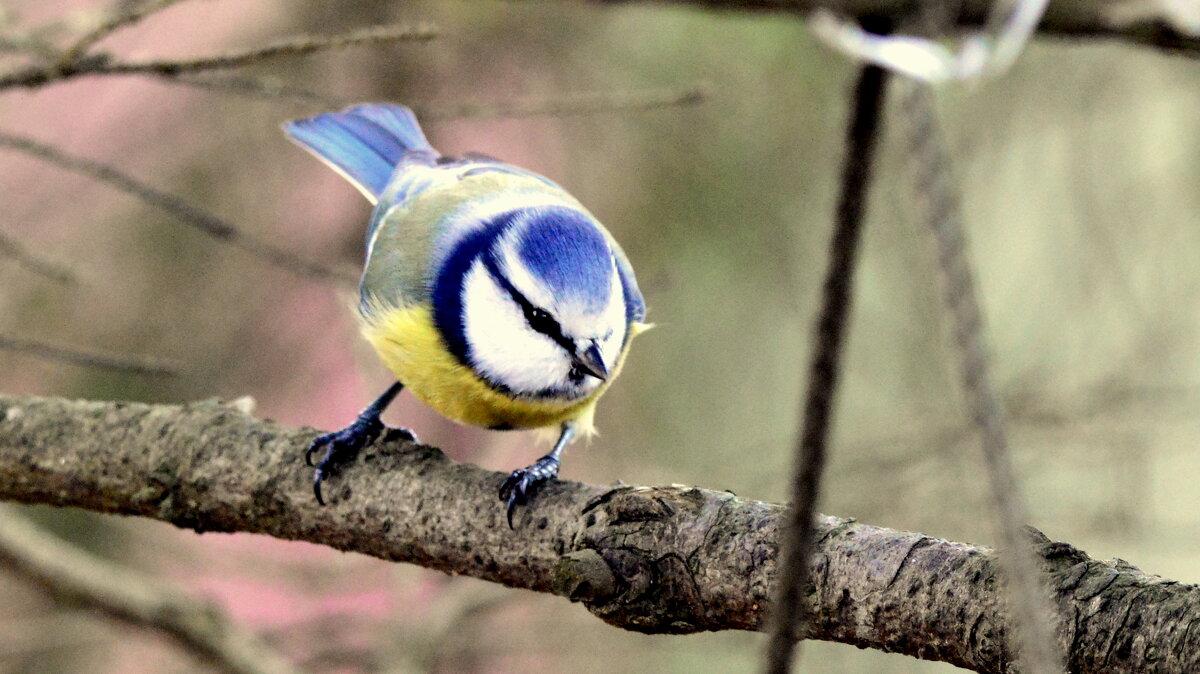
(1079,167)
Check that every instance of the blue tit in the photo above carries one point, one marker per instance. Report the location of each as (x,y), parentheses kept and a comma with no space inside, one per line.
(491,294)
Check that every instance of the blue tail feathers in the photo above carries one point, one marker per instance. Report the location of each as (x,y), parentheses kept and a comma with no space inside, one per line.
(365,143)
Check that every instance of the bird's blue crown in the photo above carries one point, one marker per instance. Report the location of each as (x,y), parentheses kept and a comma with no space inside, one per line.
(559,246)
(565,251)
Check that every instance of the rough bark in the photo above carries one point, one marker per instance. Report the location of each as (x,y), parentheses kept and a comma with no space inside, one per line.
(653,559)
(1143,22)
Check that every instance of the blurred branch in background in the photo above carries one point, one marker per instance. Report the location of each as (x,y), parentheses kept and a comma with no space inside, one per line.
(565,105)
(265,86)
(76,577)
(103,360)
(652,559)
(184,211)
(113,19)
(1173,27)
(72,64)
(54,271)
(562,105)
(225,232)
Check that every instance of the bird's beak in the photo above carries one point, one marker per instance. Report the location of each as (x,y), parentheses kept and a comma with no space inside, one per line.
(591,362)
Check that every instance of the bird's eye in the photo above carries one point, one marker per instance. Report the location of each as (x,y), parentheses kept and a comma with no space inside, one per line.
(540,320)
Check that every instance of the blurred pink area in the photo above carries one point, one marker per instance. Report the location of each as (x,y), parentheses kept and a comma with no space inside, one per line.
(127,122)
(153,285)
(269,600)
(301,328)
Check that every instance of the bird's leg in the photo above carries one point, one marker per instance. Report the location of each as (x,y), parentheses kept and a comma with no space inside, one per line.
(341,446)
(520,487)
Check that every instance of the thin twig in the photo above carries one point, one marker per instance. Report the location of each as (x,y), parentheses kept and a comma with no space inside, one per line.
(182,210)
(103,64)
(88,358)
(790,612)
(588,103)
(77,577)
(36,43)
(300,45)
(119,17)
(938,197)
(262,87)
(21,255)
(566,105)
(27,45)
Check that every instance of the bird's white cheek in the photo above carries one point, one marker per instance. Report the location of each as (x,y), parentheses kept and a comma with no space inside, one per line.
(614,317)
(503,346)
(610,348)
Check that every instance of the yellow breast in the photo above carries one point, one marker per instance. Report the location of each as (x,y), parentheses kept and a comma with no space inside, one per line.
(409,344)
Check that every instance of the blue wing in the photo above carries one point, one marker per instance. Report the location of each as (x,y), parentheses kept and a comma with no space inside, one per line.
(365,143)
(370,144)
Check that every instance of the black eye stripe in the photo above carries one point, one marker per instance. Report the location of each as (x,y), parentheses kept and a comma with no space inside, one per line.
(539,319)
(542,321)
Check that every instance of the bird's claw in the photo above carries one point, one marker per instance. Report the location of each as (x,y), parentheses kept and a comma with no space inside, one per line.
(402,434)
(341,446)
(520,487)
(312,449)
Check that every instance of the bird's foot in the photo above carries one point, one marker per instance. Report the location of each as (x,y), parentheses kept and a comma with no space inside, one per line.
(520,487)
(342,446)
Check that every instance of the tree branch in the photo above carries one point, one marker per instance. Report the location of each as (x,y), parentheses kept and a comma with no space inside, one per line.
(118,17)
(651,559)
(182,210)
(79,578)
(104,360)
(18,252)
(566,104)
(1143,22)
(101,63)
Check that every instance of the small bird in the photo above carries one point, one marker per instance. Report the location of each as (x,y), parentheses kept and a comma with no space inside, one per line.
(490,293)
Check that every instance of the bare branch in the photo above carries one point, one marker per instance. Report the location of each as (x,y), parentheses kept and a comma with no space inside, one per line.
(182,210)
(589,103)
(120,16)
(262,87)
(87,358)
(76,577)
(51,270)
(566,105)
(34,43)
(651,559)
(103,64)
(301,45)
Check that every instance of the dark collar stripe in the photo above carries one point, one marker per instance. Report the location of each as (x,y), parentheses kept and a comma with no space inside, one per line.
(448,283)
